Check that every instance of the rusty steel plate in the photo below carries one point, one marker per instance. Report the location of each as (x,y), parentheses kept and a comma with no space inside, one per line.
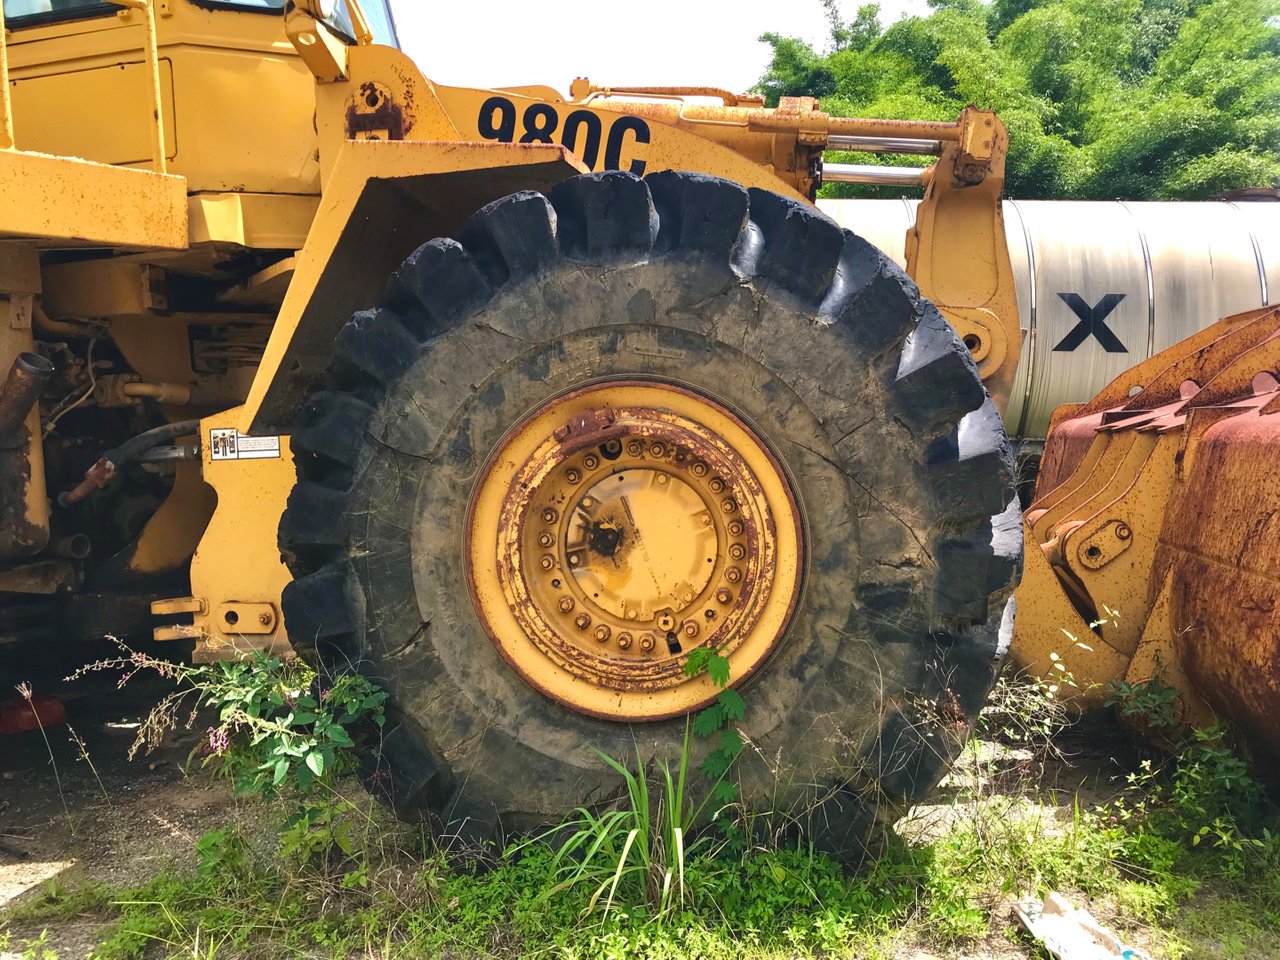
(618,528)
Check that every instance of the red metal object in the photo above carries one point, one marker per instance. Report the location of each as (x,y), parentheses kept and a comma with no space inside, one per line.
(26,716)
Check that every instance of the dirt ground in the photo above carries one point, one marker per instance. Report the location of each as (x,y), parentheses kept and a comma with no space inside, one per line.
(74,808)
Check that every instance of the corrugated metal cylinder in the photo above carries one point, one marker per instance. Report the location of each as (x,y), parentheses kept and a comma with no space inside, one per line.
(1104,285)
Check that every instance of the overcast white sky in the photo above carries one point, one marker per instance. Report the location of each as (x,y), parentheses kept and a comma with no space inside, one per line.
(493,43)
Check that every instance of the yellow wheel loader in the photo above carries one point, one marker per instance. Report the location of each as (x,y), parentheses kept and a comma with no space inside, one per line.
(507,400)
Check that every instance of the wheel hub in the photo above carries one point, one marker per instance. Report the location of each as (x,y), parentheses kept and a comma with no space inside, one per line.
(618,528)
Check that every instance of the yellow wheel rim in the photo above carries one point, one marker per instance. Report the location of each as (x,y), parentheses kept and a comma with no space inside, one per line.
(618,528)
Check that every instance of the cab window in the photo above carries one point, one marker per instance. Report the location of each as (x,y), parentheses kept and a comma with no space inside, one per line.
(24,13)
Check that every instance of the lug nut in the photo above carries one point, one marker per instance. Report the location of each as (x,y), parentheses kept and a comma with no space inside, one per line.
(690,628)
(723,595)
(733,574)
(624,640)
(646,642)
(602,633)
(566,604)
(582,621)
(736,528)
(550,516)
(573,476)
(546,540)
(716,485)
(635,448)
(658,450)
(699,469)
(737,551)
(727,505)
(547,562)
(590,461)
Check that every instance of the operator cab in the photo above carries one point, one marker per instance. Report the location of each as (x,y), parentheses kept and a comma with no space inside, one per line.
(237,102)
(23,13)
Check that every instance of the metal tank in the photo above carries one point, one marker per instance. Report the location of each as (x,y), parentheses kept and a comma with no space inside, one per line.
(1105,285)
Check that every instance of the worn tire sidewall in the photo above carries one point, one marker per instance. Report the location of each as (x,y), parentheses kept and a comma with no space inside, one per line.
(811,708)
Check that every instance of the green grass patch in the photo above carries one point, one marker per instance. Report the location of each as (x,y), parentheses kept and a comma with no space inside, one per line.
(386,891)
(1182,857)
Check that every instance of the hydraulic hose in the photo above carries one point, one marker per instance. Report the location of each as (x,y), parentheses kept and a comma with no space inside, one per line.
(101,473)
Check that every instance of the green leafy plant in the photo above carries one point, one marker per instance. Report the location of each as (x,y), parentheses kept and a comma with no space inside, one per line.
(716,720)
(279,729)
(283,731)
(277,724)
(1151,701)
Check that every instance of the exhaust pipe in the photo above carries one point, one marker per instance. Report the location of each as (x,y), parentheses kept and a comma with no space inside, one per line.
(21,389)
(77,546)
(24,504)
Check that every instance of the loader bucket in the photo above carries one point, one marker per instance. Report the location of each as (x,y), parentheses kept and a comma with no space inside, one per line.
(1153,541)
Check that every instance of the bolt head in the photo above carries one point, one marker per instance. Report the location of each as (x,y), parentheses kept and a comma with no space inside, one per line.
(582,621)
(699,469)
(690,628)
(737,551)
(733,574)
(602,633)
(550,516)
(573,476)
(666,622)
(716,485)
(728,505)
(566,604)
(635,448)
(546,540)
(723,595)
(658,450)
(647,642)
(590,461)
(264,618)
(547,562)
(736,527)
(624,640)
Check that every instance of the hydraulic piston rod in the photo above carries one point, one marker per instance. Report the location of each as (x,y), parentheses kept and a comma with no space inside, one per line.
(870,173)
(924,148)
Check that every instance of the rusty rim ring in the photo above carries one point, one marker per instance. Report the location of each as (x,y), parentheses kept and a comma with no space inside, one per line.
(617,528)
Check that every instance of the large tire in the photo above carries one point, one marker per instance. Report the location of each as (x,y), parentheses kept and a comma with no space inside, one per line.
(898,461)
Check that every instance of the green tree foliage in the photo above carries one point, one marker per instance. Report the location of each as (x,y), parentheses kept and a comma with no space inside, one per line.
(1104,99)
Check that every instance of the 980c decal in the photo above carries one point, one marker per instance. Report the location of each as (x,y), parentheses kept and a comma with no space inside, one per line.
(582,131)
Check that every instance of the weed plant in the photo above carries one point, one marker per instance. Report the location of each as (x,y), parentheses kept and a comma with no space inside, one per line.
(1182,856)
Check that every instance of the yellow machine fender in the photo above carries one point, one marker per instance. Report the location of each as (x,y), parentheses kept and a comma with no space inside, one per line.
(383,199)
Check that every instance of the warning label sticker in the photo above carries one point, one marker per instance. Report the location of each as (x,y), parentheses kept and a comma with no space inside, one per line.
(231,444)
